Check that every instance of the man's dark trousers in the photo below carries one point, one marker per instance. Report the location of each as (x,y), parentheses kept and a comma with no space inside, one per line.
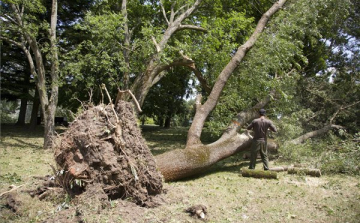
(259,145)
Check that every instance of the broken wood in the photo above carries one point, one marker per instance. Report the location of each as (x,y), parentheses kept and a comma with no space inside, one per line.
(304,171)
(267,174)
(279,168)
(13,188)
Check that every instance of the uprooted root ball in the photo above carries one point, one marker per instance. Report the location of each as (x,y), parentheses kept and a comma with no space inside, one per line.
(101,147)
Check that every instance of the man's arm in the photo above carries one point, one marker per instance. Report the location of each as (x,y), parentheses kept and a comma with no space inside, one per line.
(250,126)
(272,127)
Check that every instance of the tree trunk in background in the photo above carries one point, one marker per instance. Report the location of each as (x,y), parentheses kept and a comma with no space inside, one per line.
(22,113)
(24,101)
(167,122)
(35,111)
(48,95)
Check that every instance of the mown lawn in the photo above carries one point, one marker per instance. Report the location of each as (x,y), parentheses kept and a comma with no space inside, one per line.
(228,196)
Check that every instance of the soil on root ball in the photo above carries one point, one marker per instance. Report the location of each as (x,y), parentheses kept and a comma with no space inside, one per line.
(101,147)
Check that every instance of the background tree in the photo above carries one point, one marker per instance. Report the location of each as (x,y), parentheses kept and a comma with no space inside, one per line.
(32,26)
(15,78)
(166,99)
(20,30)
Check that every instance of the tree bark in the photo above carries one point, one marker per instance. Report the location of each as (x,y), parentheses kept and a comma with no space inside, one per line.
(126,50)
(167,122)
(315,133)
(148,78)
(22,113)
(181,163)
(203,111)
(34,111)
(48,102)
(259,173)
(304,171)
(24,100)
(196,157)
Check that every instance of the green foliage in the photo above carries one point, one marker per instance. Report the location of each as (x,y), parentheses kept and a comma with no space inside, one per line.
(290,127)
(7,111)
(292,48)
(165,102)
(331,154)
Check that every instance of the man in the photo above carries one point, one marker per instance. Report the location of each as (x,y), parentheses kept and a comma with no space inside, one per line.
(260,127)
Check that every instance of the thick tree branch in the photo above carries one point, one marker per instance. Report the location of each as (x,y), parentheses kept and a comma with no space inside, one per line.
(187,62)
(143,82)
(182,27)
(126,50)
(200,116)
(315,133)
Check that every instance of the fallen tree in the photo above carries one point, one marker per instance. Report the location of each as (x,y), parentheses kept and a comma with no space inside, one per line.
(103,148)
(197,157)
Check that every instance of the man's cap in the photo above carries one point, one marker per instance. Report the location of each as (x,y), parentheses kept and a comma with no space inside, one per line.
(262,111)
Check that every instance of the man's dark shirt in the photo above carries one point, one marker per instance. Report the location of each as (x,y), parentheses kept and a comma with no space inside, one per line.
(260,127)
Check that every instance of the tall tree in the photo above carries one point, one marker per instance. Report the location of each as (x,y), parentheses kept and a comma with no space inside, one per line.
(22,29)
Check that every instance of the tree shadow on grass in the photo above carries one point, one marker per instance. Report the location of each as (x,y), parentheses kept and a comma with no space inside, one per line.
(20,136)
(25,130)
(13,130)
(20,143)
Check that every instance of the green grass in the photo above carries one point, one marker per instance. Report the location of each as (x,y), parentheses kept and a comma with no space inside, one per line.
(229,197)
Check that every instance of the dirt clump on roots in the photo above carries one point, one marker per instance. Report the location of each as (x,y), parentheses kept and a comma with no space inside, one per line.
(104,149)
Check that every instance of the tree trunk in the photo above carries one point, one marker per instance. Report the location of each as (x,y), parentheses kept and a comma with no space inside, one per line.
(24,101)
(22,113)
(48,101)
(35,111)
(196,157)
(203,110)
(167,122)
(49,127)
(181,163)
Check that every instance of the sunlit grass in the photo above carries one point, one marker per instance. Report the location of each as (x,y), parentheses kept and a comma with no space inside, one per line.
(228,196)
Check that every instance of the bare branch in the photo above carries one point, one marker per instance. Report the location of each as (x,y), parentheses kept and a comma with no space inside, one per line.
(180,9)
(182,27)
(11,20)
(132,96)
(13,188)
(158,49)
(164,13)
(341,109)
(112,105)
(172,14)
